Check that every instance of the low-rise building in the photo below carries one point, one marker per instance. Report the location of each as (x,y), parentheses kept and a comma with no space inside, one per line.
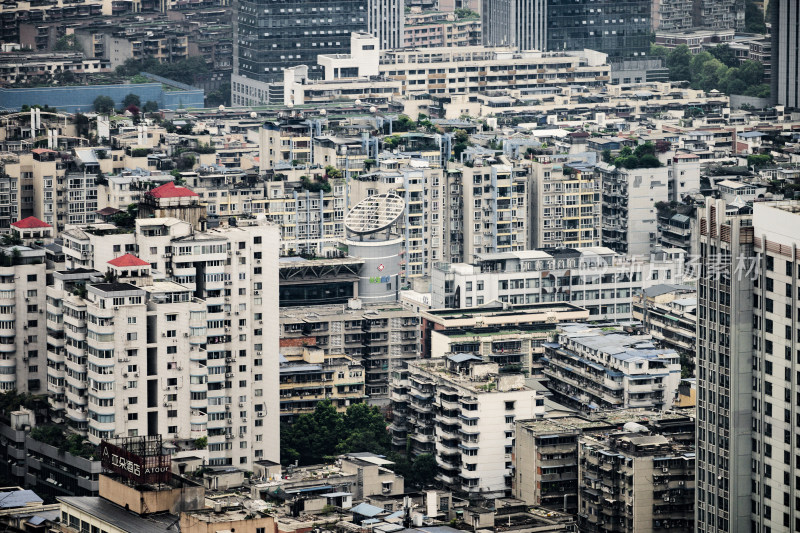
(546,451)
(512,337)
(125,505)
(24,67)
(462,408)
(590,369)
(669,314)
(367,73)
(308,376)
(598,279)
(379,336)
(44,466)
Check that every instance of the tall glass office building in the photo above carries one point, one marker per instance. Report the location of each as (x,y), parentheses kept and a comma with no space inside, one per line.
(619,28)
(274,34)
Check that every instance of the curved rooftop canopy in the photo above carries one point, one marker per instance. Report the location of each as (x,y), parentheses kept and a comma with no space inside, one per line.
(374,213)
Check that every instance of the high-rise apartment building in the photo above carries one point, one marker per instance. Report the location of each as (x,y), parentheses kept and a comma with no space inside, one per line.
(785,72)
(775,363)
(632,482)
(720,14)
(622,29)
(462,409)
(380,337)
(270,36)
(630,221)
(167,330)
(386,20)
(23,364)
(725,338)
(494,209)
(565,206)
(673,15)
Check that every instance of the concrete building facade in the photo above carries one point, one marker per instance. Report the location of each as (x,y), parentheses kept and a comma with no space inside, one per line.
(463,410)
(200,337)
(725,337)
(591,369)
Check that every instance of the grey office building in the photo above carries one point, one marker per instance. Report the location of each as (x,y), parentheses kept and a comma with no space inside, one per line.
(619,28)
(786,53)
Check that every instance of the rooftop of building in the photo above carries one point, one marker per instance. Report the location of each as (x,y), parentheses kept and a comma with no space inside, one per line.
(443,315)
(30,223)
(128,260)
(639,444)
(317,312)
(112,513)
(170,190)
(619,346)
(472,373)
(613,420)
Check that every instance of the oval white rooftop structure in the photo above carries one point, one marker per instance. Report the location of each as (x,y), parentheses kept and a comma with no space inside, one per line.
(374,213)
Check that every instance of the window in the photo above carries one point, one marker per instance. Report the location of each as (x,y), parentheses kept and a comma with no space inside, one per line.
(132,336)
(510,406)
(510,419)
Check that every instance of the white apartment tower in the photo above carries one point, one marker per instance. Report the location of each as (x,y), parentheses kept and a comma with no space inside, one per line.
(386,21)
(776,367)
(170,331)
(630,223)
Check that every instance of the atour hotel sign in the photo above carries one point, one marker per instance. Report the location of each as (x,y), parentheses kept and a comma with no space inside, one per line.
(151,469)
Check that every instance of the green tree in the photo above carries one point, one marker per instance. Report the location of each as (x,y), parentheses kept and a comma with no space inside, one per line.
(759,160)
(425,469)
(325,433)
(725,54)
(313,437)
(150,106)
(103,104)
(659,51)
(67,43)
(365,430)
(751,73)
(404,123)
(678,63)
(754,17)
(131,99)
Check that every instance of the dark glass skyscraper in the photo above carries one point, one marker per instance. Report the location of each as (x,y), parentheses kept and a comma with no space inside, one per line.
(619,28)
(274,34)
(785,75)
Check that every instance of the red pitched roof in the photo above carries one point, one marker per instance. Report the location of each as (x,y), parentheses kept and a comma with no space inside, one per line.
(170,190)
(128,260)
(31,223)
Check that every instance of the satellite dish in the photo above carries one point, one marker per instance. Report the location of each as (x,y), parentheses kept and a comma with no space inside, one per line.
(253,115)
(374,214)
(323,112)
(222,108)
(358,102)
(373,109)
